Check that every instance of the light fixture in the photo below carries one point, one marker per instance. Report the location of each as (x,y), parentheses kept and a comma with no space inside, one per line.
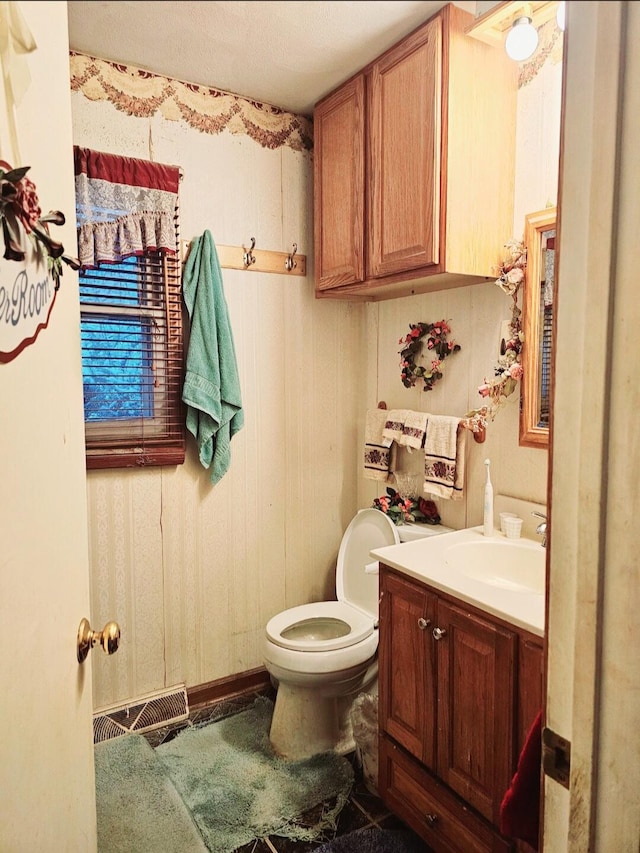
(522,39)
(560,15)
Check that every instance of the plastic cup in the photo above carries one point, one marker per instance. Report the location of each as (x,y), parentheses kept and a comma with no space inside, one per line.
(503,516)
(513,527)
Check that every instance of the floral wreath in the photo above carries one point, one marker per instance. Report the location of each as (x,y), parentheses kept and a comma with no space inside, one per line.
(508,369)
(413,343)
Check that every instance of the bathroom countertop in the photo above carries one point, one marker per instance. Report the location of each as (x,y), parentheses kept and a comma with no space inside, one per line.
(425,560)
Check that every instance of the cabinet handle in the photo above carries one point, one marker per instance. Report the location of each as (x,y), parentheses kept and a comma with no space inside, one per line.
(431,819)
(439,633)
(423,623)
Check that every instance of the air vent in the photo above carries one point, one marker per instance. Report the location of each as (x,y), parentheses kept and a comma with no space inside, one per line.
(142,715)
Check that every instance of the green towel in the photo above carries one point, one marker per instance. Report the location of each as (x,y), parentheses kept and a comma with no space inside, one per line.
(211,387)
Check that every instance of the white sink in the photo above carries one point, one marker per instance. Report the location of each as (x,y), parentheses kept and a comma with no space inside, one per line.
(514,565)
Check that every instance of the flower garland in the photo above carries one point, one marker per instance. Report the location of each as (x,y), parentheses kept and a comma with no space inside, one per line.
(20,214)
(508,369)
(401,510)
(413,343)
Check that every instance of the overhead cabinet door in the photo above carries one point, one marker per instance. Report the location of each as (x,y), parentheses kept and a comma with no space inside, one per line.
(405,133)
(339,186)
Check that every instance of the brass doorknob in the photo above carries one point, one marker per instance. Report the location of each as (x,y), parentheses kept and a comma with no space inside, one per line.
(109,638)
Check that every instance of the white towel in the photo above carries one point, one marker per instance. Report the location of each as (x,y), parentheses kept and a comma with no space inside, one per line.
(414,430)
(444,451)
(379,457)
(394,424)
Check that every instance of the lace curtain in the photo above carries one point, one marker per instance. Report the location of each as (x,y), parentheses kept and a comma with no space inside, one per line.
(124,207)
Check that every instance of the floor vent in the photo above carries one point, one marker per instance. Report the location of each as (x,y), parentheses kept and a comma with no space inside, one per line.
(143,715)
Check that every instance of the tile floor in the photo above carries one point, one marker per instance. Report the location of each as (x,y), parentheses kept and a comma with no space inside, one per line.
(362,810)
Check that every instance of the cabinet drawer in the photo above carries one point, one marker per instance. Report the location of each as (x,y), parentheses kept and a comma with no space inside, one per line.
(430,809)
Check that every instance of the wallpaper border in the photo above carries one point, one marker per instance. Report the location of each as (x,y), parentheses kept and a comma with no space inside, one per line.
(141,93)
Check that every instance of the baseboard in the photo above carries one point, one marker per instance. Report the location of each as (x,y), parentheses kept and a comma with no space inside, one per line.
(227,688)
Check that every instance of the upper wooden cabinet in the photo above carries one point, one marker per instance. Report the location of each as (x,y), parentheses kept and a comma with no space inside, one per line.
(339,186)
(414,166)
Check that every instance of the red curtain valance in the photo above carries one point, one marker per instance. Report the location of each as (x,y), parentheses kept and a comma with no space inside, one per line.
(124,206)
(126,170)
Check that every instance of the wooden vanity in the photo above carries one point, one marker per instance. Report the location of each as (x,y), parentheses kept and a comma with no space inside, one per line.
(458,690)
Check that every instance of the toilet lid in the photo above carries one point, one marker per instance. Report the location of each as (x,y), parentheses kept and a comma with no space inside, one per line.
(369,529)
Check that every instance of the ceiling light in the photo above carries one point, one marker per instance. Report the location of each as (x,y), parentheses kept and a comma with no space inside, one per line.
(522,39)
(560,15)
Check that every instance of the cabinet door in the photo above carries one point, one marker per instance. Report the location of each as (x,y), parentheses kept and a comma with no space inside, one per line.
(406,672)
(476,661)
(405,132)
(339,126)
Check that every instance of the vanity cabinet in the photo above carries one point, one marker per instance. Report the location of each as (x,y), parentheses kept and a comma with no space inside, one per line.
(455,689)
(414,166)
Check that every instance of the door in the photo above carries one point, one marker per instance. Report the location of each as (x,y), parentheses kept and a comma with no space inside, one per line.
(593,677)
(46,753)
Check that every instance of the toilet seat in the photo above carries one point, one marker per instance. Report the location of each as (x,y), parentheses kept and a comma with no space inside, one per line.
(330,625)
(302,628)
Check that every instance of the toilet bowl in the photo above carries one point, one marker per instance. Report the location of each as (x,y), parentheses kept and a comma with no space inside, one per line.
(321,656)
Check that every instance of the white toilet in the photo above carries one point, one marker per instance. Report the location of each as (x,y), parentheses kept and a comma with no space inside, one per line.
(322,655)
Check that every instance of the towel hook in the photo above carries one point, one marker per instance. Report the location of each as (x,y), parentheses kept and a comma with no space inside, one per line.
(290,264)
(248,257)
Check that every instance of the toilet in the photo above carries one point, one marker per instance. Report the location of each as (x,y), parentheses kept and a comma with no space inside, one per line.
(321,656)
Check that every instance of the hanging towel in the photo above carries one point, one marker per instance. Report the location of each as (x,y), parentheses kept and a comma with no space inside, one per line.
(394,424)
(414,430)
(444,450)
(211,387)
(379,459)
(520,808)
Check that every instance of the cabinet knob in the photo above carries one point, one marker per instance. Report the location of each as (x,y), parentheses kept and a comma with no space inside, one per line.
(431,819)
(423,623)
(439,633)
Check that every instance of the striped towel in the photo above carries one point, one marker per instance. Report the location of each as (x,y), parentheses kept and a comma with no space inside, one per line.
(444,457)
(379,453)
(394,424)
(414,430)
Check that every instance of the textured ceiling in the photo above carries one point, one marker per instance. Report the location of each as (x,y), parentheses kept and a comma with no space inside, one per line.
(288,54)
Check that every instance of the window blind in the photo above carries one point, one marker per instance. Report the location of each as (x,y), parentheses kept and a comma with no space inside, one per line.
(131,313)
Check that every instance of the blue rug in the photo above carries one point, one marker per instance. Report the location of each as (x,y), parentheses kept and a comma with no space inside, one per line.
(138,808)
(214,787)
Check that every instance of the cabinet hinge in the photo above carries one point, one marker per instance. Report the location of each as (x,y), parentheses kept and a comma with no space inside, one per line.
(556,756)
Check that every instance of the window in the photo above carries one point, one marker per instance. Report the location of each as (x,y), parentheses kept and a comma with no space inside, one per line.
(131,311)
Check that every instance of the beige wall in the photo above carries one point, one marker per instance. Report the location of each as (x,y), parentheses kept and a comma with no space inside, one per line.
(192,572)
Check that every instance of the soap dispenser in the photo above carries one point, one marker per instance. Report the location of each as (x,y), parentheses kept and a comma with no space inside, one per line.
(488,502)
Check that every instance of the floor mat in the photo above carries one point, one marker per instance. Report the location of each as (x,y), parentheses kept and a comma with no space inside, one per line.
(138,807)
(238,789)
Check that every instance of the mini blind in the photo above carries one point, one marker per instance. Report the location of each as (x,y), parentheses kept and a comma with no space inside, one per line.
(131,316)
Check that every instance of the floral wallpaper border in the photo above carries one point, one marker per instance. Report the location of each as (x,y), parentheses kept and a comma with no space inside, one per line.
(550,47)
(141,93)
